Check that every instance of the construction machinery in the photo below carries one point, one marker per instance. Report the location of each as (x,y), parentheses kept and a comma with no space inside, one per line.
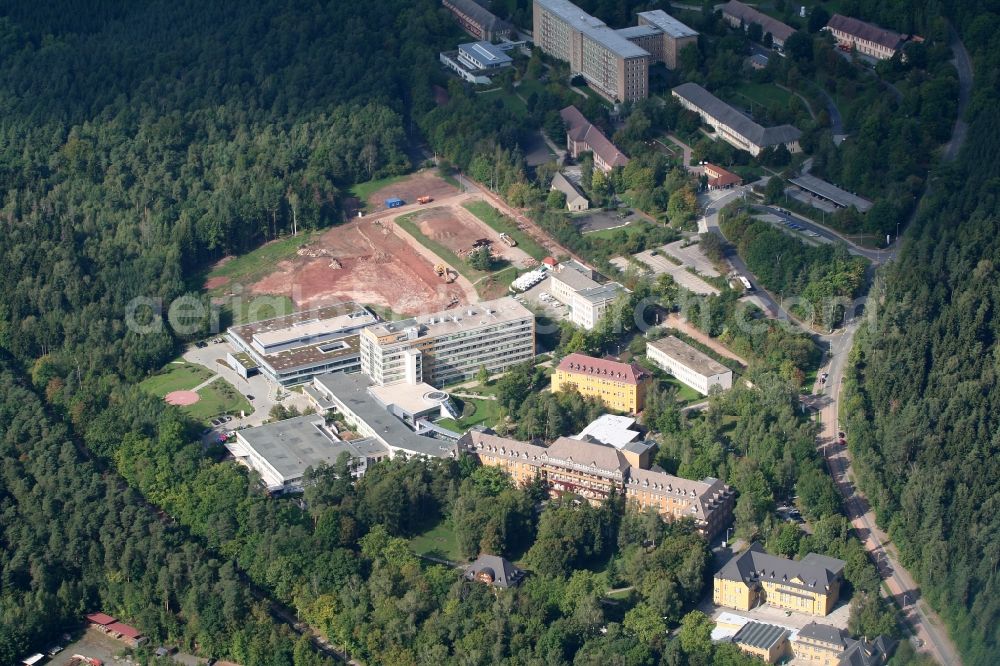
(445,273)
(506,238)
(481,242)
(425,199)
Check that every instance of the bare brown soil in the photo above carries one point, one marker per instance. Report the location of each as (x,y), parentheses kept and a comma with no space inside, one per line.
(423,183)
(457,229)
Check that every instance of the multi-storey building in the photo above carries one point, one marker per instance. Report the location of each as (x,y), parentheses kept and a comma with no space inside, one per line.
(613,66)
(477,20)
(295,348)
(866,38)
(739,15)
(593,471)
(731,125)
(582,137)
(810,585)
(449,346)
(767,642)
(573,285)
(699,371)
(669,39)
(824,645)
(620,386)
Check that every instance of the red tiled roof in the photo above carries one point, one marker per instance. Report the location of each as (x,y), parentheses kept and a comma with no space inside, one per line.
(719,177)
(582,364)
(125,630)
(580,129)
(863,30)
(100,618)
(550,261)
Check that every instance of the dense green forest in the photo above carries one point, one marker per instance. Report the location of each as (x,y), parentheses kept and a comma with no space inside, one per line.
(922,413)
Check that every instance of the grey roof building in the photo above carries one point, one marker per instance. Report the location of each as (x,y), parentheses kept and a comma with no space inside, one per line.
(731,125)
(739,15)
(817,641)
(756,565)
(494,570)
(767,641)
(575,201)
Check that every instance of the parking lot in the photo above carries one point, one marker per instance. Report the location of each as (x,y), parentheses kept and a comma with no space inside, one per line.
(597,220)
(793,228)
(691,255)
(659,264)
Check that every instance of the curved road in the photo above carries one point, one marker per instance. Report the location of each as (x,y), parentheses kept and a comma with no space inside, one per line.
(926,624)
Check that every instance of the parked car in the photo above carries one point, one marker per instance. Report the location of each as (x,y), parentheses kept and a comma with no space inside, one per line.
(205,431)
(249,397)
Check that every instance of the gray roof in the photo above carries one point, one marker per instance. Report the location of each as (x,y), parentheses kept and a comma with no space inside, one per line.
(779,31)
(668,24)
(484,51)
(760,635)
(503,573)
(868,653)
(832,192)
(890,39)
(292,445)
(736,121)
(352,390)
(816,572)
(602,293)
(825,633)
(477,13)
(634,31)
(592,27)
(567,187)
(579,129)
(688,356)
(639,446)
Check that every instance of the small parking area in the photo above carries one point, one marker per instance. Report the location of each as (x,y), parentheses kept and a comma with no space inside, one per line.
(691,255)
(540,299)
(599,220)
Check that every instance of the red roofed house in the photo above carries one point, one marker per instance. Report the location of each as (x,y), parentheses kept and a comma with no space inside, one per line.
(867,38)
(620,386)
(100,620)
(119,630)
(719,178)
(582,137)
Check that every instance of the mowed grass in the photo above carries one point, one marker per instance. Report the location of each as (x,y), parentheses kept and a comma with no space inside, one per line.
(511,101)
(250,267)
(219,397)
(364,190)
(609,234)
(439,541)
(256,308)
(487,412)
(761,94)
(182,376)
(685,393)
(500,223)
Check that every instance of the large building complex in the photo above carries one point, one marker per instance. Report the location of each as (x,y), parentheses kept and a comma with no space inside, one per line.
(295,348)
(582,137)
(696,369)
(592,470)
(613,66)
(734,127)
(670,36)
(810,585)
(573,284)
(739,15)
(281,452)
(620,386)
(477,20)
(449,346)
(866,38)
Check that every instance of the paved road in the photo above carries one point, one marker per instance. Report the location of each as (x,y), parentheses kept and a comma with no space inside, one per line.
(964,67)
(836,120)
(877,256)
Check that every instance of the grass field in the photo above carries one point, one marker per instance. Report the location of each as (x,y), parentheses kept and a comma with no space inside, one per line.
(503,224)
(606,234)
(685,393)
(487,412)
(762,94)
(180,376)
(254,265)
(513,103)
(364,190)
(439,542)
(219,397)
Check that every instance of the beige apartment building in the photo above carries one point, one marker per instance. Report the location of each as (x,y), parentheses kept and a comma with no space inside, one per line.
(449,346)
(864,37)
(613,66)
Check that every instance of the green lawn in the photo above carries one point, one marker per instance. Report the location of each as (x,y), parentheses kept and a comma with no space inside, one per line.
(217,398)
(254,265)
(685,393)
(503,224)
(487,412)
(439,542)
(364,190)
(513,103)
(763,94)
(256,308)
(180,376)
(608,234)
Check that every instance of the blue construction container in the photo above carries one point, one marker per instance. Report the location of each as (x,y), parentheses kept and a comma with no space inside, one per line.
(394,202)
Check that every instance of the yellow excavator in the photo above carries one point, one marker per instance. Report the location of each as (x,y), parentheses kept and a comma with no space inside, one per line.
(445,273)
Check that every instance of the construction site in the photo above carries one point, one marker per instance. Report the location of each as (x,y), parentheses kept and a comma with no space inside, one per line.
(462,232)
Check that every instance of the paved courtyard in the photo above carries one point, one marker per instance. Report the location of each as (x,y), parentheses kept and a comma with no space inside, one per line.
(691,255)
(659,264)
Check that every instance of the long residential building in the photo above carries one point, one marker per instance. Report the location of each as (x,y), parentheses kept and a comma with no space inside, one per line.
(449,346)
(732,126)
(864,37)
(295,348)
(614,67)
(740,15)
(593,471)
(692,367)
(582,136)
(810,585)
(477,20)
(620,386)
